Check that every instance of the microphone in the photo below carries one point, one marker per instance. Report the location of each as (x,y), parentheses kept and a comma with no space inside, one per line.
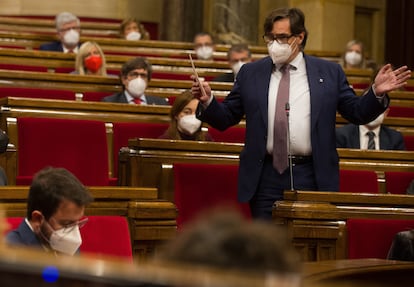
(287,110)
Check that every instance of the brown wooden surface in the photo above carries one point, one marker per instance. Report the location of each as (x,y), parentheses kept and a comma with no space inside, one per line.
(151,221)
(317,220)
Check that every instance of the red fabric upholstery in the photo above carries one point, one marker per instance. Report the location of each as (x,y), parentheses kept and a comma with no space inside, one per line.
(405,112)
(232,134)
(78,145)
(397,182)
(23,68)
(36,93)
(372,238)
(13,223)
(409,142)
(95,96)
(122,132)
(200,187)
(360,181)
(107,235)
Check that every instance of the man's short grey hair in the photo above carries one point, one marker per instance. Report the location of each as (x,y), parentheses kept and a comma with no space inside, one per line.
(65,17)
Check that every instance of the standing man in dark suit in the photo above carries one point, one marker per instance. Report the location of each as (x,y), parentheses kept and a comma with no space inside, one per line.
(317,89)
(357,136)
(68,31)
(237,56)
(135,75)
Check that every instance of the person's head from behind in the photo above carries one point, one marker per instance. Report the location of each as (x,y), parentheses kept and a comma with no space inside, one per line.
(55,209)
(285,34)
(203,46)
(135,76)
(68,29)
(182,116)
(225,240)
(378,120)
(90,60)
(354,55)
(238,55)
(132,29)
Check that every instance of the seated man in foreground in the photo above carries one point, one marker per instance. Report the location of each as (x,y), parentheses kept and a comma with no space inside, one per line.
(55,208)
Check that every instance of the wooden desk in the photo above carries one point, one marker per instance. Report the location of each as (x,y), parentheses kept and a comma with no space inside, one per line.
(148,162)
(151,221)
(317,221)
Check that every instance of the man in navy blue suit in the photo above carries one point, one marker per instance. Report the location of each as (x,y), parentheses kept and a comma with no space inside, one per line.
(317,90)
(356,136)
(68,31)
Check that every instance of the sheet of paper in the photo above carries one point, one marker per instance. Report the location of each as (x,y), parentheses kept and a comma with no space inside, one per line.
(203,92)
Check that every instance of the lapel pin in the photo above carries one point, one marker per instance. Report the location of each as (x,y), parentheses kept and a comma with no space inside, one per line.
(320,80)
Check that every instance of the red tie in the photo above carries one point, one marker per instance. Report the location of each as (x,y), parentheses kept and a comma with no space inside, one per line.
(138,101)
(280,150)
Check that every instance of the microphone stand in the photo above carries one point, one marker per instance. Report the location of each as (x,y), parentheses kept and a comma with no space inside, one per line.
(287,109)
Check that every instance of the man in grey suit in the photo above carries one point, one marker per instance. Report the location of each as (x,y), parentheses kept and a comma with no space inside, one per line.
(135,75)
(357,136)
(317,90)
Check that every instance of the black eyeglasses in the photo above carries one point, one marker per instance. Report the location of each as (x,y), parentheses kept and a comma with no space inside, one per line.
(134,75)
(280,38)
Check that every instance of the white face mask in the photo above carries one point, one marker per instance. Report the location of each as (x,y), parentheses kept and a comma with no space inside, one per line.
(133,36)
(375,123)
(137,87)
(204,52)
(353,58)
(71,37)
(236,67)
(189,124)
(67,243)
(280,53)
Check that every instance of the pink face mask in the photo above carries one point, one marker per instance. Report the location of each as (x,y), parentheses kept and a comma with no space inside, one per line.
(93,63)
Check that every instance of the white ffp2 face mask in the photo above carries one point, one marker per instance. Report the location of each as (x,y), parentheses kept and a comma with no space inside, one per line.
(66,242)
(280,53)
(71,37)
(136,87)
(189,124)
(353,58)
(204,52)
(133,36)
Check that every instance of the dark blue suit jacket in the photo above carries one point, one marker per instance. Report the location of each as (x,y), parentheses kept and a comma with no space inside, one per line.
(23,235)
(55,46)
(348,137)
(121,98)
(329,92)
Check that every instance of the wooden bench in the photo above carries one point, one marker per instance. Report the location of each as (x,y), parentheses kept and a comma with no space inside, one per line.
(151,221)
(317,221)
(148,162)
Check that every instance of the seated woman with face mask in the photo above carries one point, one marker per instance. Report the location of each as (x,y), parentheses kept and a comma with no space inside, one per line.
(90,60)
(131,29)
(184,125)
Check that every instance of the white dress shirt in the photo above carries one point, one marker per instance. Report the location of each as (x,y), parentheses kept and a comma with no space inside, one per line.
(363,137)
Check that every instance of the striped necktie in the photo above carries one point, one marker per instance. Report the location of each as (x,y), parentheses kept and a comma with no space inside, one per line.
(371,141)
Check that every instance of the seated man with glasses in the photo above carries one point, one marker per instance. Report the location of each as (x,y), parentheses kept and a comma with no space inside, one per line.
(68,31)
(134,76)
(55,213)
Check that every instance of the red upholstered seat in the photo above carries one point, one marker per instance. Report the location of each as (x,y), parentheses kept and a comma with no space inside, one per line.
(372,238)
(397,182)
(200,187)
(28,68)
(122,132)
(95,96)
(77,145)
(360,181)
(232,134)
(36,93)
(107,235)
(13,223)
(405,112)
(409,142)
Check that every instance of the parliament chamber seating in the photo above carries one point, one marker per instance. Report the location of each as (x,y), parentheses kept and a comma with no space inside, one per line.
(78,145)
(409,142)
(102,235)
(359,181)
(40,93)
(200,188)
(397,182)
(397,111)
(372,238)
(235,134)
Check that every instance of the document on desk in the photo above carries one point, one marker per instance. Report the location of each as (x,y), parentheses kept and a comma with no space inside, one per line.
(203,92)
